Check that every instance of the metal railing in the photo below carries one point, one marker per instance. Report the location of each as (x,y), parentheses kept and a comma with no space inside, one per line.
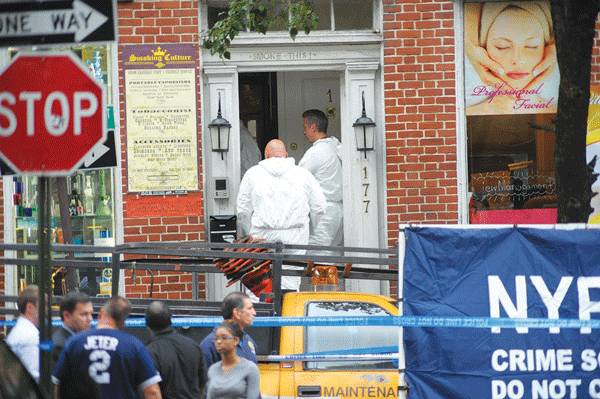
(200,257)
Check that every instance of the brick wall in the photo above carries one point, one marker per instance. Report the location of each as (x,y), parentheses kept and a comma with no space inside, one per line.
(155,22)
(419,95)
(596,55)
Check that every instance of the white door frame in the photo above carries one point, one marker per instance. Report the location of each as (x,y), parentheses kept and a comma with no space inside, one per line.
(364,179)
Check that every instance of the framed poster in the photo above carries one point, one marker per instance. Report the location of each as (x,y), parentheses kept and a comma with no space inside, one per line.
(161,117)
(511,96)
(510,58)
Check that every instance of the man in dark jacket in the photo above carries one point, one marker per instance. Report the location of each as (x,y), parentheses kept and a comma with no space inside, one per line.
(179,359)
(76,314)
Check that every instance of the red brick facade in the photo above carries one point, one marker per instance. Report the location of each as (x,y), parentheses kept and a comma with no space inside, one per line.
(419,90)
(419,78)
(149,22)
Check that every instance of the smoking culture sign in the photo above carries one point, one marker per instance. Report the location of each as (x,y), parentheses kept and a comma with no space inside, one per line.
(504,272)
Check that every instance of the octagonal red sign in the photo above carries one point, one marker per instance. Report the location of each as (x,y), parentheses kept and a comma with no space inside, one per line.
(51,113)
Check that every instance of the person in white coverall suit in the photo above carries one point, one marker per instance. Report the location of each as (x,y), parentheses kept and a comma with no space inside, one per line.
(249,151)
(323,160)
(276,201)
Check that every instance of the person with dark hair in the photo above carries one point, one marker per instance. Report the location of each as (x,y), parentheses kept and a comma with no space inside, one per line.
(323,159)
(178,358)
(107,358)
(24,337)
(236,307)
(233,376)
(76,313)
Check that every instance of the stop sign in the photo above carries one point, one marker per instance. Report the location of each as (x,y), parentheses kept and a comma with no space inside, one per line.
(51,113)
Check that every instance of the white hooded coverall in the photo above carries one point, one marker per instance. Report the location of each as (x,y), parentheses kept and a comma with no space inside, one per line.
(323,160)
(276,201)
(249,151)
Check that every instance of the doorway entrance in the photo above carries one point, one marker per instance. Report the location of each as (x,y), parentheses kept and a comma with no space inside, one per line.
(299,91)
(271,105)
(258,105)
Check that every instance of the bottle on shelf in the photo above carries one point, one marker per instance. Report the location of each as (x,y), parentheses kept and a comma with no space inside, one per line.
(103,209)
(88,193)
(74,203)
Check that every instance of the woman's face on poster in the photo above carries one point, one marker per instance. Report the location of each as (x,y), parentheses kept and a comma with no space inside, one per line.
(516,42)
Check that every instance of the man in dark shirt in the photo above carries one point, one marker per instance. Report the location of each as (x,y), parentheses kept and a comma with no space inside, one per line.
(76,314)
(179,359)
(236,307)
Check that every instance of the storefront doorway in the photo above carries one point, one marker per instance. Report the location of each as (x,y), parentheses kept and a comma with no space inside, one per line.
(258,105)
(268,88)
(271,105)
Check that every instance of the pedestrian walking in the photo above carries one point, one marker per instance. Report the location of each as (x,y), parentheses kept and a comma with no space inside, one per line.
(106,362)
(24,337)
(76,314)
(234,376)
(178,358)
(238,308)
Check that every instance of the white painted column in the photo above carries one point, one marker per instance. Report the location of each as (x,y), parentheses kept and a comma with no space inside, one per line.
(220,81)
(362,226)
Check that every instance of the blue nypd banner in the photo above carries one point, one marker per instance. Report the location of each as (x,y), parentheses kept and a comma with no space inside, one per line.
(499,273)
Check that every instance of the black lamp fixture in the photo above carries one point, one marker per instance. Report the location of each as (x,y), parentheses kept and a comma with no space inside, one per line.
(219,132)
(364,129)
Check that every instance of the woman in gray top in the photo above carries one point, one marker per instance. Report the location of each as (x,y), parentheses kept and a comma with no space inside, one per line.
(233,377)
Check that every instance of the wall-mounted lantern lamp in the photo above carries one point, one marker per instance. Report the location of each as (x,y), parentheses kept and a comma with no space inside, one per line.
(364,129)
(219,132)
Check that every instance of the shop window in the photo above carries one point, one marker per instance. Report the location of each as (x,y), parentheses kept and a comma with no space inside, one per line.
(215,14)
(508,103)
(338,15)
(323,10)
(353,15)
(88,196)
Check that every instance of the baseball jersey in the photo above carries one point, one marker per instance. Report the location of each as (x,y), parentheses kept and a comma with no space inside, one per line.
(118,363)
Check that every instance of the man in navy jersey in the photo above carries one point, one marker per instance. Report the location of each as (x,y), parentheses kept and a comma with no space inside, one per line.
(106,362)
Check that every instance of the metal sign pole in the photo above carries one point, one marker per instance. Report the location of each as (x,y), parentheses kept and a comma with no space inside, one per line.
(45,285)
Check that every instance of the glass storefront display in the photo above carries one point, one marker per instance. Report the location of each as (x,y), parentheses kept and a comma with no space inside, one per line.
(90,215)
(511,93)
(81,205)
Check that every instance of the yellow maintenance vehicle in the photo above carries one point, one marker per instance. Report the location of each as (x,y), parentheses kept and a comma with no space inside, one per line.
(341,377)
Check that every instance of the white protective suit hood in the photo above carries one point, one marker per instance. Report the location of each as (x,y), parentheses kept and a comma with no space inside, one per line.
(249,152)
(277,166)
(277,195)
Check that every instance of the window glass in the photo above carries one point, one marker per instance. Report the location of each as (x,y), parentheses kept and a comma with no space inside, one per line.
(353,14)
(81,205)
(90,196)
(344,338)
(593,147)
(510,153)
(323,10)
(348,14)
(213,14)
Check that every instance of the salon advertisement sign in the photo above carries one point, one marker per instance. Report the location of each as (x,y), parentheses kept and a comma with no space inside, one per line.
(510,58)
(498,273)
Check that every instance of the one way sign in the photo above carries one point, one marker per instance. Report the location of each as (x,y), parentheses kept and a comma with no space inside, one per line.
(57,22)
